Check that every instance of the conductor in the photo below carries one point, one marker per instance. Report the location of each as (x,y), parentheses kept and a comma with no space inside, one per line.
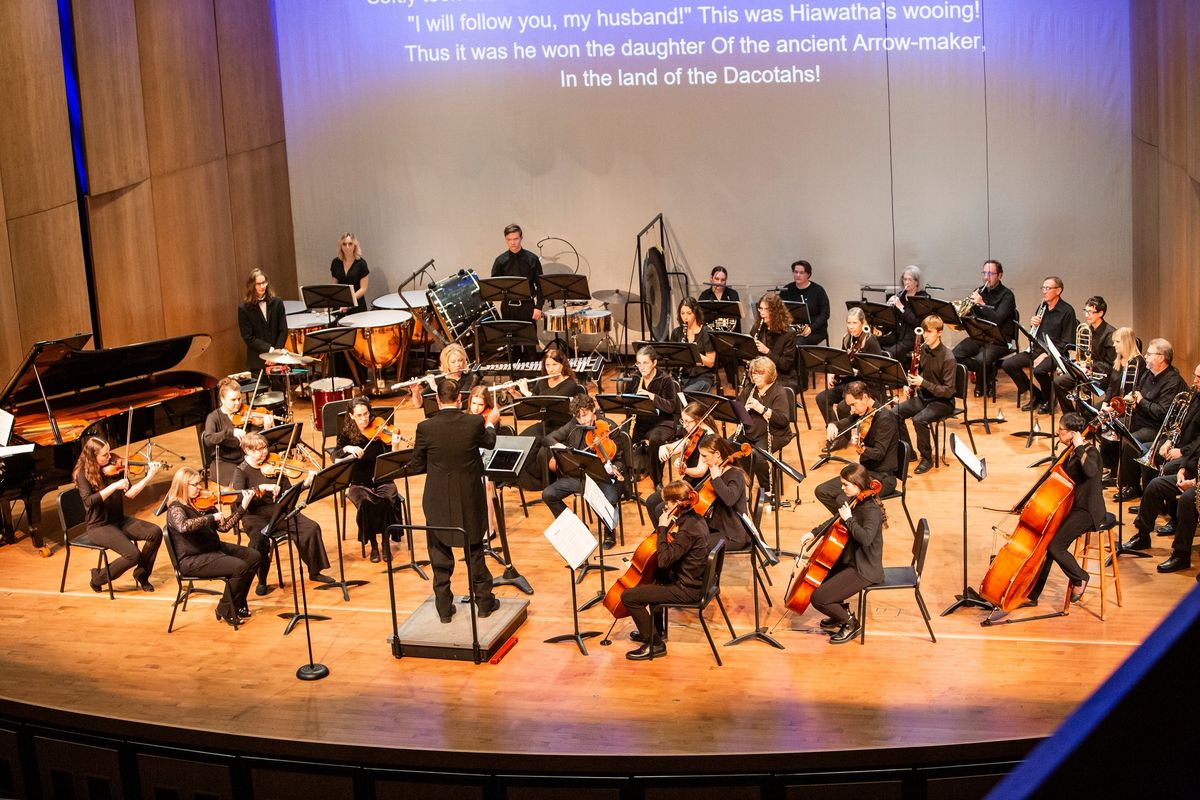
(447,448)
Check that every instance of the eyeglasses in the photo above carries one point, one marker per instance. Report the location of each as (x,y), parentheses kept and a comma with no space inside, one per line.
(1049,288)
(1154,353)
(985,273)
(196,484)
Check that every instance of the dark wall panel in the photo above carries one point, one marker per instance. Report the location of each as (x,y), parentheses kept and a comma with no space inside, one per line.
(260,200)
(126,265)
(250,88)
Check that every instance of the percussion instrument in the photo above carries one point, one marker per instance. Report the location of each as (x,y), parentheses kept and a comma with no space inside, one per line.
(560,320)
(595,320)
(294,307)
(327,390)
(299,326)
(271,401)
(415,301)
(457,303)
(383,337)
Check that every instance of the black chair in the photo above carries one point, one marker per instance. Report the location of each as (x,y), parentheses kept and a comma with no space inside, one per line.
(628,488)
(332,416)
(902,578)
(712,591)
(793,399)
(73,519)
(938,429)
(901,490)
(186,583)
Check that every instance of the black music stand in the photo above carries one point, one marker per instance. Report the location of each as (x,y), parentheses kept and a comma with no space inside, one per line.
(576,636)
(286,510)
(738,347)
(506,290)
(831,361)
(1124,437)
(674,355)
(985,332)
(757,546)
(884,371)
(507,335)
(779,468)
(332,481)
(631,405)
(563,288)
(388,467)
(1033,431)
(504,463)
(977,469)
(723,409)
(328,296)
(328,341)
(879,315)
(720,309)
(577,464)
(799,312)
(924,306)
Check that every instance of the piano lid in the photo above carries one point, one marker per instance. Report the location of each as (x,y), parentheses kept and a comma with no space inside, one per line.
(64,366)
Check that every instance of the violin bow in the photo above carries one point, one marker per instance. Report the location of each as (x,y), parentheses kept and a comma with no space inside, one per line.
(250,402)
(128,435)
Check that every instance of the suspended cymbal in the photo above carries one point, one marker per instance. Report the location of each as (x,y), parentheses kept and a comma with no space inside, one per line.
(285,358)
(619,296)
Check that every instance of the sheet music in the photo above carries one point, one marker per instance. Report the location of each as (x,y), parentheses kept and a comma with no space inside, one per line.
(962,451)
(571,539)
(599,503)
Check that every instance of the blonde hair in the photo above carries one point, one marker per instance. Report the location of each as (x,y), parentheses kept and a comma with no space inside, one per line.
(178,493)
(354,241)
(766,366)
(444,358)
(252,292)
(1125,343)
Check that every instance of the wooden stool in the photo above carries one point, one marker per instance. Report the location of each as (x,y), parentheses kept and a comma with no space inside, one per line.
(1098,545)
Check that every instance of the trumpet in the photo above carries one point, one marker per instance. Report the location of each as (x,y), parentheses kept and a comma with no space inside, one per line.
(966,306)
(1169,431)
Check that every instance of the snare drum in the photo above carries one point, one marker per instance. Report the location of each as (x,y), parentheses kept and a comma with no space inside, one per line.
(327,390)
(595,320)
(383,337)
(560,320)
(299,326)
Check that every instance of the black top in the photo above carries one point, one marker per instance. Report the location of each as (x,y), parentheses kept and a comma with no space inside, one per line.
(999,306)
(703,342)
(218,433)
(684,555)
(1103,351)
(723,518)
(523,264)
(99,511)
(906,330)
(263,326)
(774,398)
(881,445)
(363,472)
(248,477)
(865,342)
(782,352)
(195,531)
(574,436)
(358,271)
(817,300)
(1084,468)
(1058,325)
(864,548)
(937,370)
(734,323)
(1157,393)
(447,448)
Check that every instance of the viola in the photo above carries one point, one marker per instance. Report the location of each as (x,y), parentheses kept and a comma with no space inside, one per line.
(828,549)
(644,563)
(706,494)
(208,500)
(136,467)
(254,416)
(599,441)
(291,468)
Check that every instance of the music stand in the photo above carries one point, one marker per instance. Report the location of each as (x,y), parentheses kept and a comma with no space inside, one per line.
(985,332)
(562,288)
(977,469)
(496,335)
(574,543)
(500,464)
(757,544)
(333,481)
(328,341)
(328,296)
(285,511)
(576,464)
(738,347)
(884,371)
(1033,432)
(674,355)
(924,306)
(723,409)
(388,467)
(779,468)
(799,312)
(879,315)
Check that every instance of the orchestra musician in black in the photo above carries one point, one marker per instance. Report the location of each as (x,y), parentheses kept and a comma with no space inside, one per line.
(930,393)
(652,430)
(729,487)
(1054,320)
(700,377)
(802,289)
(574,435)
(349,268)
(222,437)
(996,303)
(875,433)
(1096,360)
(262,320)
(766,402)
(378,502)
(519,263)
(899,343)
(719,289)
(776,339)
(858,339)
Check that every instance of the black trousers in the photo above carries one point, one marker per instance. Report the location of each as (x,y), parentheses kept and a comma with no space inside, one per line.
(307,538)
(232,561)
(1185,524)
(1076,523)
(978,358)
(1016,364)
(923,414)
(123,539)
(638,599)
(441,559)
(842,584)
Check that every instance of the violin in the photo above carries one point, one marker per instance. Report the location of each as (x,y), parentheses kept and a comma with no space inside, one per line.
(253,416)
(644,562)
(599,441)
(828,549)
(706,494)
(208,500)
(276,465)
(381,430)
(136,468)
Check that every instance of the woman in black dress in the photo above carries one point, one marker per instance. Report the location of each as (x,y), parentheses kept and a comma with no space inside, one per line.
(557,380)
(729,486)
(378,504)
(770,420)
(350,268)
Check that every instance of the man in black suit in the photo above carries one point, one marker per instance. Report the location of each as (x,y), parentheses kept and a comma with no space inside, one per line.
(447,449)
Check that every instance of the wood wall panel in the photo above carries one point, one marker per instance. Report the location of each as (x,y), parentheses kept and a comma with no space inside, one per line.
(181,83)
(110,89)
(194,233)
(250,84)
(48,277)
(1143,61)
(36,163)
(260,200)
(10,321)
(1179,236)
(126,266)
(1173,90)
(1146,298)
(1193,82)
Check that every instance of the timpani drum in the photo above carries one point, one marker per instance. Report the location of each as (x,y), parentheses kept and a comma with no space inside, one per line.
(294,307)
(414,301)
(559,320)
(383,337)
(595,320)
(299,326)
(327,390)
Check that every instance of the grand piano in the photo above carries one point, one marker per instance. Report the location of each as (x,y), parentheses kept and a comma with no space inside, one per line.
(62,394)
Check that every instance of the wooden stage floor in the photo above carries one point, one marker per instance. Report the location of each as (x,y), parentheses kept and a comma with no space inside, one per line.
(80,652)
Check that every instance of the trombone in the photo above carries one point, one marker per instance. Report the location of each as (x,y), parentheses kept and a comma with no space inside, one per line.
(1169,431)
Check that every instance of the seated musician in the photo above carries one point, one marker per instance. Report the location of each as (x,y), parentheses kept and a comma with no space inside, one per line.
(103,483)
(574,435)
(652,430)
(700,377)
(557,380)
(268,482)
(378,504)
(1171,488)
(682,561)
(1127,367)
(1156,387)
(992,302)
(899,343)
(858,339)
(804,290)
(201,552)
(861,563)
(1096,360)
(262,320)
(479,401)
(729,486)
(930,393)
(776,339)
(1087,508)
(1054,320)
(875,434)
(222,436)
(719,289)
(770,418)
(454,362)
(682,453)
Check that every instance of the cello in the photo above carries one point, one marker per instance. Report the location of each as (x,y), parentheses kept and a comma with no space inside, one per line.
(825,554)
(706,493)
(643,564)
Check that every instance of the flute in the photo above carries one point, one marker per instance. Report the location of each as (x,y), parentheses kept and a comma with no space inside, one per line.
(499,387)
(422,379)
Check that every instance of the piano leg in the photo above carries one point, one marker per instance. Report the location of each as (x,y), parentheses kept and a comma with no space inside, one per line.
(8,534)
(8,530)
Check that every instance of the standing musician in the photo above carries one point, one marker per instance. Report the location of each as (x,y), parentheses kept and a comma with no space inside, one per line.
(770,418)
(1156,387)
(1097,359)
(877,440)
(447,448)
(777,340)
(729,486)
(201,552)
(683,452)
(103,483)
(1054,320)
(900,343)
(518,262)
(930,393)
(252,474)
(574,435)
(453,361)
(262,320)
(222,435)
(858,339)
(349,268)
(719,289)
(378,504)
(861,562)
(803,290)
(993,302)
(682,561)
(1083,467)
(650,431)
(700,377)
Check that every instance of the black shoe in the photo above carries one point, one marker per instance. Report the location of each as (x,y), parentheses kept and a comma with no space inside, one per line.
(645,652)
(912,456)
(244,613)
(262,589)
(1109,481)
(610,541)
(1077,590)
(1175,563)
(446,618)
(1127,493)
(320,577)
(487,609)
(1044,408)
(96,584)
(145,585)
(227,620)
(1138,541)
(1030,405)
(847,632)
(1134,509)
(374,557)
(636,636)
(923,467)
(1166,530)
(1030,603)
(979,390)
(829,624)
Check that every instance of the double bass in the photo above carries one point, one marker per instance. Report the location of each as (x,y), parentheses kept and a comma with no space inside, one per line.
(826,552)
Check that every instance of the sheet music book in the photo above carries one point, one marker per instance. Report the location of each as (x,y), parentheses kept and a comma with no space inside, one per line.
(571,539)
(962,451)
(599,503)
